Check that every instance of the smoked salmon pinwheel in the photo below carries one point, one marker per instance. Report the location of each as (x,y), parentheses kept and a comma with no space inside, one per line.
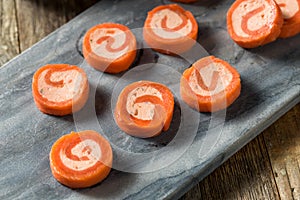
(109,47)
(291,15)
(144,109)
(60,89)
(170,29)
(80,160)
(211,84)
(254,23)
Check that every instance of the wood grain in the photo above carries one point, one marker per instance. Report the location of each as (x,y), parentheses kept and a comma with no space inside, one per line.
(266,168)
(38,18)
(246,175)
(283,145)
(9,44)
(25,22)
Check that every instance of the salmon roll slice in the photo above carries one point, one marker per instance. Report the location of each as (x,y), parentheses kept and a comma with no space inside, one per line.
(170,29)
(254,23)
(60,89)
(81,159)
(210,85)
(144,109)
(291,15)
(109,47)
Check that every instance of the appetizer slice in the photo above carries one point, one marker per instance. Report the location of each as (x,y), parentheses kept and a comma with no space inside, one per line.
(170,29)
(254,23)
(109,47)
(291,15)
(211,84)
(60,89)
(80,160)
(144,109)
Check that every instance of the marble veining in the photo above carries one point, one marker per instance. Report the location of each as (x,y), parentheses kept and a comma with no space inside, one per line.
(270,86)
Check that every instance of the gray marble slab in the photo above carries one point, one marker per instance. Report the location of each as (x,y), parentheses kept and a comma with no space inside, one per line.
(194,146)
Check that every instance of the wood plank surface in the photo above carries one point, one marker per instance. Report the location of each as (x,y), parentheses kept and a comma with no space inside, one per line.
(266,168)
(38,18)
(246,175)
(283,145)
(9,45)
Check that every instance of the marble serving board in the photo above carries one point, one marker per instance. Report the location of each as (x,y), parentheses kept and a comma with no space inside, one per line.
(163,167)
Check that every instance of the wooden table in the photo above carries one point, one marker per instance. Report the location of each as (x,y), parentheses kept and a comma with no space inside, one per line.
(266,168)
